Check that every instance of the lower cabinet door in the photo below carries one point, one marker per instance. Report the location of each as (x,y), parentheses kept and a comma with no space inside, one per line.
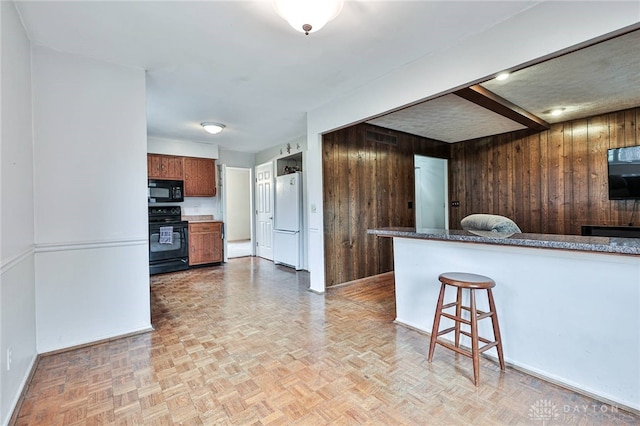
(205,243)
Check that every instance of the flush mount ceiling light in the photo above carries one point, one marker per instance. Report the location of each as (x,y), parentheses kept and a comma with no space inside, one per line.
(213,128)
(557,111)
(308,16)
(502,76)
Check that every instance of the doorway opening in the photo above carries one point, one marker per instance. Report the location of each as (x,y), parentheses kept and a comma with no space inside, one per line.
(431,192)
(238,208)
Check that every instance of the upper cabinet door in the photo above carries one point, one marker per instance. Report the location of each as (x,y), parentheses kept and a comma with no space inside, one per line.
(164,167)
(199,177)
(198,174)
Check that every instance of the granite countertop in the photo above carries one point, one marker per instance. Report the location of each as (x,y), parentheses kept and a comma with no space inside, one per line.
(629,246)
(200,218)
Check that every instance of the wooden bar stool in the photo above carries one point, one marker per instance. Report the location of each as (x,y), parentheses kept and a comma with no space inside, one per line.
(471,282)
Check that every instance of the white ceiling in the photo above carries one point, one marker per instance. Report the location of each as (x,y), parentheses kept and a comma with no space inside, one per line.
(601,78)
(239,63)
(448,118)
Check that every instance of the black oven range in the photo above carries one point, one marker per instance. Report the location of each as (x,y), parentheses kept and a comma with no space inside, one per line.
(168,240)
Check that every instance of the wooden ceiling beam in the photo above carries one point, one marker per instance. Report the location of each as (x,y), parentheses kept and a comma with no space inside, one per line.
(489,100)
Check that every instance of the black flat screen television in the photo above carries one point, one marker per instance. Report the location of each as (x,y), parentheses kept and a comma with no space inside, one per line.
(624,173)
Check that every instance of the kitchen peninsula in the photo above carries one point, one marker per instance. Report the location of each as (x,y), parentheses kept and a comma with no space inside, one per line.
(569,306)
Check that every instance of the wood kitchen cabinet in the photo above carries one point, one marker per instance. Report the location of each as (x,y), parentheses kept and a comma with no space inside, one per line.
(198,174)
(164,167)
(199,177)
(205,243)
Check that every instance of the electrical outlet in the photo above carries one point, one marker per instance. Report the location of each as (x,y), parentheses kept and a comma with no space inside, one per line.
(9,355)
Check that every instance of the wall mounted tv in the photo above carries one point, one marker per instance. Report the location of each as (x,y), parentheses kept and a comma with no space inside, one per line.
(624,173)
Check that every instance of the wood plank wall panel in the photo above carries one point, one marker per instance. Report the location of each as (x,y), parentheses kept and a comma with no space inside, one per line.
(548,182)
(367,185)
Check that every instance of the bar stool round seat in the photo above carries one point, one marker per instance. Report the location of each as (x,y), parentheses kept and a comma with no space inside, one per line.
(466,280)
(470,282)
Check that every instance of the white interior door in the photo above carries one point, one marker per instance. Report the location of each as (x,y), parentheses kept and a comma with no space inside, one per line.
(431,192)
(264,210)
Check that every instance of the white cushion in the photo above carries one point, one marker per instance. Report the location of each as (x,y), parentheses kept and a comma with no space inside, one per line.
(489,222)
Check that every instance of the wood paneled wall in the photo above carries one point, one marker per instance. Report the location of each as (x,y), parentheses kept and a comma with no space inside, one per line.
(549,182)
(367,185)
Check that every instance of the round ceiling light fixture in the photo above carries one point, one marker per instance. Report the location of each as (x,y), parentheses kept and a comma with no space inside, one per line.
(213,128)
(502,76)
(308,16)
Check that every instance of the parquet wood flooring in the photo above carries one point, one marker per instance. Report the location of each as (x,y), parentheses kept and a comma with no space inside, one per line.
(246,343)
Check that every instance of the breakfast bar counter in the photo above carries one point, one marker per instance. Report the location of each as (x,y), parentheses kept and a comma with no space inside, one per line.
(569,306)
(551,241)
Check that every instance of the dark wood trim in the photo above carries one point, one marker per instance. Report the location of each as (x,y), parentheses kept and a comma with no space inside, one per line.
(373,279)
(489,100)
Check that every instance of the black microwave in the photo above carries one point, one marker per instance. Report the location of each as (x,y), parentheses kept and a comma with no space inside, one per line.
(165,191)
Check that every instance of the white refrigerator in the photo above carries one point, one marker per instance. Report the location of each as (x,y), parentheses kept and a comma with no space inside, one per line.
(287,232)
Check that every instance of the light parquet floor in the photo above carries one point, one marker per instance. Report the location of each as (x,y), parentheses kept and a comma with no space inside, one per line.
(246,343)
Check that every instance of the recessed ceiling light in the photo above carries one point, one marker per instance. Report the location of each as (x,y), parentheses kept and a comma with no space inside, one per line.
(213,128)
(557,111)
(502,76)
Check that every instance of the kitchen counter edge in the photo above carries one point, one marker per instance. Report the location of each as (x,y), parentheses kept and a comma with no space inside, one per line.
(200,219)
(612,245)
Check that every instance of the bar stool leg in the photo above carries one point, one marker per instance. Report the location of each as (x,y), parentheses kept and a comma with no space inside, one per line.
(496,328)
(475,354)
(436,322)
(458,314)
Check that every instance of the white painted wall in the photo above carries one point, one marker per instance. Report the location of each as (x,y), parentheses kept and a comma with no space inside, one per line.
(17,281)
(237,159)
(516,41)
(284,149)
(156,145)
(91,232)
(571,317)
(238,225)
